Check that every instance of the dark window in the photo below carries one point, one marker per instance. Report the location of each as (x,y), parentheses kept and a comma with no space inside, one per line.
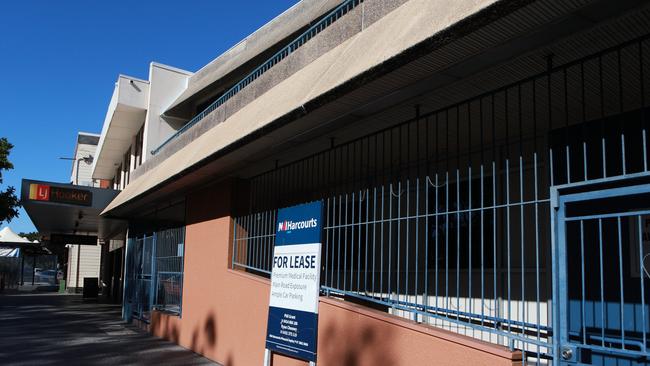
(127,166)
(139,139)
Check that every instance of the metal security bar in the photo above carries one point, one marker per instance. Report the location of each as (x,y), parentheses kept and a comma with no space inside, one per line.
(10,272)
(129,279)
(138,277)
(445,218)
(170,251)
(154,273)
(345,7)
(606,317)
(253,242)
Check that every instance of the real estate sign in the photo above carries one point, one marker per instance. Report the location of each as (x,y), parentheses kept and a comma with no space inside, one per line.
(295,282)
(73,196)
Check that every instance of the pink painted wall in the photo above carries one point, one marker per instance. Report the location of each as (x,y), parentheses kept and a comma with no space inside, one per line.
(350,334)
(224,311)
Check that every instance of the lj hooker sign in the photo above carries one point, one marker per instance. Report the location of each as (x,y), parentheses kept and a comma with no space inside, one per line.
(44,192)
(295,282)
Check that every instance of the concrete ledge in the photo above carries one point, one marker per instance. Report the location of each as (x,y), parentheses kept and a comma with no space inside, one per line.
(165,326)
(411,30)
(343,29)
(248,276)
(349,331)
(142,325)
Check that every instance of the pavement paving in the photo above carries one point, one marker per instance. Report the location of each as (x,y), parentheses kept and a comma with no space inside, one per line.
(62,329)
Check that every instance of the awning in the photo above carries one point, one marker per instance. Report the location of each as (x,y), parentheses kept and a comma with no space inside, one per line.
(66,212)
(124,117)
(284,25)
(8,236)
(9,252)
(403,28)
(10,243)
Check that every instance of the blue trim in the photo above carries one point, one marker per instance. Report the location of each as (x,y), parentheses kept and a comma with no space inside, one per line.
(560,268)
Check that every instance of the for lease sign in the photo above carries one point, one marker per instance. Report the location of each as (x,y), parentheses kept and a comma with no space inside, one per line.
(295,281)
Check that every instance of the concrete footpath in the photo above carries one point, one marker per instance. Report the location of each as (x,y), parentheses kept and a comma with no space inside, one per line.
(54,329)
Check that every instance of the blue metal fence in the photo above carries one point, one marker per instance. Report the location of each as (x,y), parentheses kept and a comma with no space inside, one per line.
(406,246)
(154,273)
(10,271)
(600,274)
(170,252)
(345,7)
(445,218)
(136,299)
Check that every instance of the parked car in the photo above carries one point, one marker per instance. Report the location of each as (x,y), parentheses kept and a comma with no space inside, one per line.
(48,276)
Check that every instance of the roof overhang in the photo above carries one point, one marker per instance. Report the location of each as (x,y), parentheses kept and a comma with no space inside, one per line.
(364,71)
(375,50)
(20,245)
(278,29)
(126,114)
(66,209)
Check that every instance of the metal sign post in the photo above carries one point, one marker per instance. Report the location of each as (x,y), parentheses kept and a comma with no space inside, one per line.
(292,326)
(267,358)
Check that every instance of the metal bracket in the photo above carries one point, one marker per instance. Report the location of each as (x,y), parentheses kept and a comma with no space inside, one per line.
(569,353)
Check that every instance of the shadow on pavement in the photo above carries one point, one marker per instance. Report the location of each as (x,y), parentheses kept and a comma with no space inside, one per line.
(54,329)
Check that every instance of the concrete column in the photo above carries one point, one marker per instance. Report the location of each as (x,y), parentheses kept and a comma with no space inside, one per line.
(134,142)
(122,175)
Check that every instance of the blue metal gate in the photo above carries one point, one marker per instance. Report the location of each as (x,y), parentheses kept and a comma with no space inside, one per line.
(138,294)
(154,273)
(602,239)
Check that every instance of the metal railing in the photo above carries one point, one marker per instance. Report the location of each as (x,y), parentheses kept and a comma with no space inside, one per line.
(445,218)
(10,271)
(603,253)
(138,284)
(170,252)
(428,251)
(345,7)
(154,273)
(253,242)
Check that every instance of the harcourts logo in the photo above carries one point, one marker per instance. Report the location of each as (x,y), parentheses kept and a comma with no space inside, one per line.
(297,225)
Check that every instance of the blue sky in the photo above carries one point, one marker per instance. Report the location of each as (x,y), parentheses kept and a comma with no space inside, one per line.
(60,60)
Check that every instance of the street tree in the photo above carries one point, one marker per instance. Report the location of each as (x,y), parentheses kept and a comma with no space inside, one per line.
(31,236)
(9,202)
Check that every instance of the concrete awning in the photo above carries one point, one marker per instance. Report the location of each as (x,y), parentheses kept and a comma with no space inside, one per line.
(407,26)
(284,25)
(420,46)
(66,209)
(125,116)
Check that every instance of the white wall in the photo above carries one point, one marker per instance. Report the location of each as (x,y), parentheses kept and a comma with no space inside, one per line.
(124,118)
(85,170)
(88,265)
(166,84)
(132,92)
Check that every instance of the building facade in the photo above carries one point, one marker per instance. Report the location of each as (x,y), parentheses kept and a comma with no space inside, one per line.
(83,261)
(66,216)
(483,168)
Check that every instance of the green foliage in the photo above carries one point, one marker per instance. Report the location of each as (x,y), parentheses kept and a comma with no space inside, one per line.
(34,235)
(9,202)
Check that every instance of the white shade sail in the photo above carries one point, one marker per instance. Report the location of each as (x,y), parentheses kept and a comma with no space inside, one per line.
(9,236)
